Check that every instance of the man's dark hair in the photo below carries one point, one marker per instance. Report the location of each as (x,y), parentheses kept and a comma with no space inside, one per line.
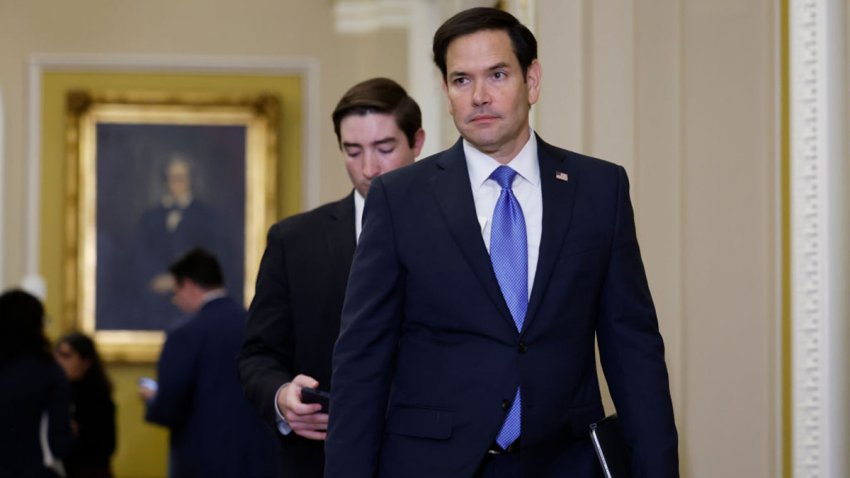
(483,18)
(380,95)
(200,267)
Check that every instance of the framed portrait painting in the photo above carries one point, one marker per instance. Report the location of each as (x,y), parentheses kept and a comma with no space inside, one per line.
(152,175)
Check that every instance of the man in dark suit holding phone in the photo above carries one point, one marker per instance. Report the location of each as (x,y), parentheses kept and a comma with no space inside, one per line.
(214,430)
(484,276)
(294,317)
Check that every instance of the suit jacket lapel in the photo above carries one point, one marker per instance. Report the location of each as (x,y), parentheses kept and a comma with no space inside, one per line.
(454,195)
(558,182)
(339,234)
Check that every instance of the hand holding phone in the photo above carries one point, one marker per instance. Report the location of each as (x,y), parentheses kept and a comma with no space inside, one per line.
(148,382)
(147,388)
(312,395)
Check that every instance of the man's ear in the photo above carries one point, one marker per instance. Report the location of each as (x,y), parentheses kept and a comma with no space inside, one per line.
(533,76)
(446,91)
(418,142)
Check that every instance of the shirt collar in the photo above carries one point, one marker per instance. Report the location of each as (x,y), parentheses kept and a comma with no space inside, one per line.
(213,295)
(481,166)
(359,204)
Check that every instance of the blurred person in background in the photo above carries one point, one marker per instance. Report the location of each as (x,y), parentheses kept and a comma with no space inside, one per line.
(93,411)
(214,430)
(35,393)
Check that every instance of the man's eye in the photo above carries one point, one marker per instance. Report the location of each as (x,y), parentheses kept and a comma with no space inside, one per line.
(460,81)
(386,151)
(499,75)
(352,154)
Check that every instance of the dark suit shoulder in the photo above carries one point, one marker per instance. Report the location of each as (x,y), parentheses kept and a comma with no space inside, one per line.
(310,221)
(422,170)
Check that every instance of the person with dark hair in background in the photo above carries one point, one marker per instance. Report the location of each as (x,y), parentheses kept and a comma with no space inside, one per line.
(294,317)
(484,278)
(214,430)
(32,388)
(93,411)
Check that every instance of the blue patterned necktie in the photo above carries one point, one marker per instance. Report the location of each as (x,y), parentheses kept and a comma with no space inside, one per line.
(509,255)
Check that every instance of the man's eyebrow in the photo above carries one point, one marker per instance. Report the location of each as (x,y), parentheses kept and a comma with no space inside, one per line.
(497,66)
(386,140)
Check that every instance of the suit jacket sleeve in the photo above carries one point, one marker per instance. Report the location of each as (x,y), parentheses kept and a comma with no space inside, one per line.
(266,359)
(176,371)
(632,351)
(364,355)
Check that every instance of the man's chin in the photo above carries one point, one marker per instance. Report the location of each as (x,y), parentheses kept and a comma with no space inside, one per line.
(484,143)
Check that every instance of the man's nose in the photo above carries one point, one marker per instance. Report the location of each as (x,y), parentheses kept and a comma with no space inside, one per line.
(371,166)
(480,94)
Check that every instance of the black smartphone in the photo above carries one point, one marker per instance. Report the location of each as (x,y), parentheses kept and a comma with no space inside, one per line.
(312,395)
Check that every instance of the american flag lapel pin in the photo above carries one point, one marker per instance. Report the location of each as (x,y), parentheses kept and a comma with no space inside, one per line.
(561,176)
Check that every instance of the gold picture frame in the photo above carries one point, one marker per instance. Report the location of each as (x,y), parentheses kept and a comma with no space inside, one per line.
(125,216)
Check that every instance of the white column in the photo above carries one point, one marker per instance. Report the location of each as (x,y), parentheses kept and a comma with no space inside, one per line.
(423,76)
(3,202)
(32,280)
(818,238)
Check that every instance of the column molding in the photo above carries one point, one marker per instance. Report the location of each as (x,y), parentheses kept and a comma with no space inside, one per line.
(3,193)
(817,107)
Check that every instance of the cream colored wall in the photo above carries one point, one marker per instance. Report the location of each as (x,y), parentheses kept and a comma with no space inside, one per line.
(683,93)
(193,27)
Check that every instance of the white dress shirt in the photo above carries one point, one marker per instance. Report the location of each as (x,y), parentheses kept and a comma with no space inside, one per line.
(359,204)
(526,188)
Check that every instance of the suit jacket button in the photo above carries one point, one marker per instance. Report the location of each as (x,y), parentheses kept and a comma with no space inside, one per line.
(506,404)
(522,348)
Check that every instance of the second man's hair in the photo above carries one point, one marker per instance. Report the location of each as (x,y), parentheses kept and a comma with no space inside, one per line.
(380,95)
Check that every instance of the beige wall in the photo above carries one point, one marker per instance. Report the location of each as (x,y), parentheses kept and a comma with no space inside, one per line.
(681,92)
(193,28)
(210,27)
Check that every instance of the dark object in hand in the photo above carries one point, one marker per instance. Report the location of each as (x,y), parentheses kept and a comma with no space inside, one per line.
(311,395)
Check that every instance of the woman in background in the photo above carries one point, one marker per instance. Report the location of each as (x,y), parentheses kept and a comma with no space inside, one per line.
(32,387)
(93,417)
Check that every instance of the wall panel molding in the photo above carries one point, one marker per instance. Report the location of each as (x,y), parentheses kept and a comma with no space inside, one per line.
(3,194)
(817,240)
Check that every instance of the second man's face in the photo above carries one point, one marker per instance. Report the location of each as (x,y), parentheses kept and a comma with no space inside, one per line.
(373,144)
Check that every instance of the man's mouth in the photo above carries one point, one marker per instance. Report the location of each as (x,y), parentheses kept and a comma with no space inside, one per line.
(483,118)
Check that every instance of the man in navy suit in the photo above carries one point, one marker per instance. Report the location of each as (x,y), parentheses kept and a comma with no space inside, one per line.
(214,430)
(459,356)
(294,318)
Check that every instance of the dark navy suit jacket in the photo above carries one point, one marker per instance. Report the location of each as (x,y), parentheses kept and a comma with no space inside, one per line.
(214,430)
(294,318)
(30,387)
(428,354)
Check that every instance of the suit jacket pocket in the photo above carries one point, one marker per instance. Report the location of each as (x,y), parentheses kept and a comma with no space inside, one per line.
(581,418)
(420,422)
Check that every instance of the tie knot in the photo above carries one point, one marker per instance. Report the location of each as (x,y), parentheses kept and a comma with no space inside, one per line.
(504,176)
